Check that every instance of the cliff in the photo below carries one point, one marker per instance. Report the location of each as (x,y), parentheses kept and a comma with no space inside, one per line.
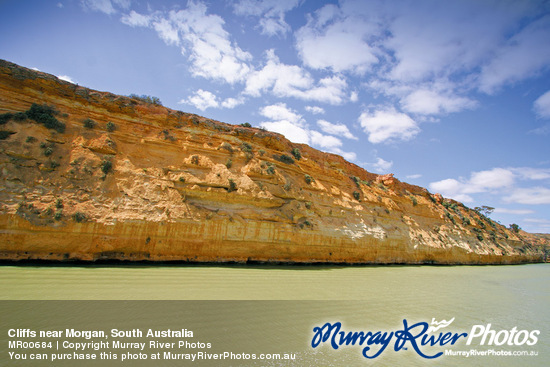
(88,175)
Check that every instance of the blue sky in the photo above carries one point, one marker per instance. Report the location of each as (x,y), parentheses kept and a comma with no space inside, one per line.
(449,95)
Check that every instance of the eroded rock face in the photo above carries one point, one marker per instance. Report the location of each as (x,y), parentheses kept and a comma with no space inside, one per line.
(143,182)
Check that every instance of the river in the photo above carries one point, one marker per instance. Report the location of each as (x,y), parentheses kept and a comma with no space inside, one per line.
(274,309)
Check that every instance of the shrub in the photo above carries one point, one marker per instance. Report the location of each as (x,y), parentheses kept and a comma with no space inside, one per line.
(106,166)
(58,215)
(147,99)
(247,148)
(20,116)
(54,164)
(514,228)
(309,179)
(58,203)
(181,179)
(270,170)
(227,147)
(284,158)
(356,180)
(232,186)
(44,114)
(110,126)
(296,153)
(356,195)
(48,151)
(287,186)
(5,134)
(30,139)
(5,117)
(89,123)
(79,217)
(308,205)
(195,159)
(262,152)
(229,163)
(479,237)
(414,201)
(246,124)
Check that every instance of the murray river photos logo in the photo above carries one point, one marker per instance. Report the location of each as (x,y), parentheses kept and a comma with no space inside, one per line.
(420,337)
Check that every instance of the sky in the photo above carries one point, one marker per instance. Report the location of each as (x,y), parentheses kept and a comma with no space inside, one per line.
(449,95)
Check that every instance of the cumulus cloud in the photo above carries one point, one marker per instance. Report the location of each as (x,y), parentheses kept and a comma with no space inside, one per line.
(523,55)
(336,129)
(513,211)
(135,19)
(293,81)
(533,196)
(431,102)
(482,181)
(294,127)
(271,13)
(382,165)
(203,99)
(388,125)
(500,181)
(315,110)
(542,106)
(335,40)
(212,53)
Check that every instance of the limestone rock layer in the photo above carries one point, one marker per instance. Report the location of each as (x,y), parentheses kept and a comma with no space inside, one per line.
(121,178)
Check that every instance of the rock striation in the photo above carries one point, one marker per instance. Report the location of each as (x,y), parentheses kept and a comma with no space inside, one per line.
(88,175)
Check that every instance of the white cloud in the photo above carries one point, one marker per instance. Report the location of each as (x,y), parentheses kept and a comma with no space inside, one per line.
(324,141)
(232,102)
(498,181)
(281,112)
(388,125)
(291,131)
(294,127)
(483,181)
(430,102)
(334,40)
(292,81)
(335,129)
(202,100)
(451,188)
(542,106)
(413,177)
(315,110)
(491,179)
(513,211)
(66,78)
(271,13)
(135,19)
(349,156)
(212,53)
(523,55)
(382,165)
(529,173)
(534,196)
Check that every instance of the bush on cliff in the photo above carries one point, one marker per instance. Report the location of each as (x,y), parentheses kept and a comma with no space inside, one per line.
(45,115)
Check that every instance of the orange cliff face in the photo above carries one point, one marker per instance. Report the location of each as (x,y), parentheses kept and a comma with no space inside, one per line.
(130,180)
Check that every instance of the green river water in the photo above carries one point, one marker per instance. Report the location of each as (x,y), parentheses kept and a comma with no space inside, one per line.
(274,309)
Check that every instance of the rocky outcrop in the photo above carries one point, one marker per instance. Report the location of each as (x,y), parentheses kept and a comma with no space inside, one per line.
(114,177)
